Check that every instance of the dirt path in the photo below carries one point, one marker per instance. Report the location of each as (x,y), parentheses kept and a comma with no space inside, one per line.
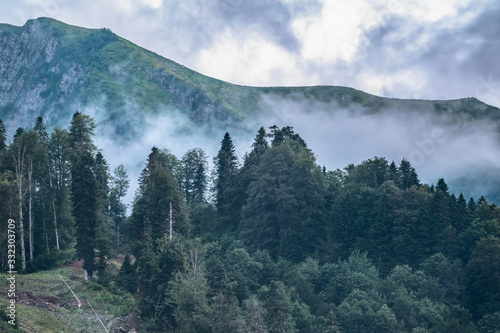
(28,298)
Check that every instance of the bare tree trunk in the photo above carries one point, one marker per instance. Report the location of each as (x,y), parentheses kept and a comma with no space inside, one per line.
(55,214)
(46,236)
(55,224)
(171,222)
(19,164)
(30,209)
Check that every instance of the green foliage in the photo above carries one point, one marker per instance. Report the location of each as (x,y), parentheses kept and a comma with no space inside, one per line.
(285,200)
(483,277)
(194,180)
(128,275)
(292,248)
(158,189)
(279,310)
(255,314)
(188,294)
(365,312)
(83,187)
(226,164)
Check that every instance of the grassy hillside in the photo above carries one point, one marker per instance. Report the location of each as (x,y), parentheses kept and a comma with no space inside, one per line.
(50,68)
(45,304)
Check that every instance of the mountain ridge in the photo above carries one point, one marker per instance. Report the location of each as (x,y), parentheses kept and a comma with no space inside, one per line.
(52,69)
(57,68)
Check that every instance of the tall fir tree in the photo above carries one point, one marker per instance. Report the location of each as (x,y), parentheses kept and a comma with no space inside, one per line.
(157,189)
(285,201)
(3,136)
(43,210)
(194,167)
(226,166)
(84,188)
(407,174)
(104,223)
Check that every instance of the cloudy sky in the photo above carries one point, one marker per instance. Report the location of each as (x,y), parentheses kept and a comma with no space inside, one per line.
(408,49)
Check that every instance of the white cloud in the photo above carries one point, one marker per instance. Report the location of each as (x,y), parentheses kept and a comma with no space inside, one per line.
(253,59)
(336,33)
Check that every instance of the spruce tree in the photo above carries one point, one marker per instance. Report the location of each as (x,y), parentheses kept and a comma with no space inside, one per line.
(226,164)
(41,129)
(194,167)
(157,189)
(483,275)
(42,197)
(407,175)
(127,275)
(18,150)
(259,148)
(84,187)
(104,224)
(3,136)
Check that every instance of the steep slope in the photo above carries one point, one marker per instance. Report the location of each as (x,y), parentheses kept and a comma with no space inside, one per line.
(51,69)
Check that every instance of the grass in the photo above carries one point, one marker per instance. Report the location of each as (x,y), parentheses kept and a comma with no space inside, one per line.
(45,304)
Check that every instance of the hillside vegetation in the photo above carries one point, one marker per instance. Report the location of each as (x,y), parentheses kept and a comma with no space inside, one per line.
(51,69)
(277,244)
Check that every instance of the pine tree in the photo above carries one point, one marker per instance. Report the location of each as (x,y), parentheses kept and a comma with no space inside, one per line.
(84,187)
(259,148)
(285,202)
(19,132)
(226,164)
(41,129)
(194,167)
(225,305)
(483,274)
(127,276)
(104,223)
(3,136)
(157,189)
(42,195)
(408,175)
(331,323)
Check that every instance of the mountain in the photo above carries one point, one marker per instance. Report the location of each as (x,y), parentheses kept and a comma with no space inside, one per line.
(50,68)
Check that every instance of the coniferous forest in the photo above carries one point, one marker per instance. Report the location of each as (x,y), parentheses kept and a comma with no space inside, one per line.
(269,242)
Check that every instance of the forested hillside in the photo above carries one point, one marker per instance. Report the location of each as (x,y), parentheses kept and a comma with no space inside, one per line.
(270,242)
(50,69)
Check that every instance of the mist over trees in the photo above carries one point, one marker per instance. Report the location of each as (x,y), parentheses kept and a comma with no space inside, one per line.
(271,242)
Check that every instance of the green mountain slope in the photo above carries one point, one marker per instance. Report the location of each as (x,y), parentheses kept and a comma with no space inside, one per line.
(50,68)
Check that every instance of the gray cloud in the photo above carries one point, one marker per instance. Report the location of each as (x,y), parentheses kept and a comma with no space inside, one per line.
(464,151)
(399,55)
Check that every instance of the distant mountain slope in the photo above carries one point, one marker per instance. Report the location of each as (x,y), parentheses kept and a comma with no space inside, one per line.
(50,68)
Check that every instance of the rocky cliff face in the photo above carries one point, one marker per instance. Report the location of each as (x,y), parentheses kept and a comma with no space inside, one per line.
(52,69)
(23,53)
